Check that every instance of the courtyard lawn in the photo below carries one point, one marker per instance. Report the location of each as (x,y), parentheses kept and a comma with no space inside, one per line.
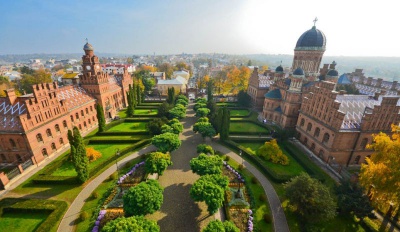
(129,127)
(22,221)
(106,150)
(120,138)
(293,169)
(122,114)
(145,112)
(239,113)
(238,127)
(228,104)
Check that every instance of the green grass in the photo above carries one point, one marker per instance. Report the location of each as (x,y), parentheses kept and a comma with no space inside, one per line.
(129,127)
(145,112)
(13,221)
(122,114)
(120,137)
(106,150)
(253,117)
(237,127)
(251,146)
(229,104)
(239,113)
(261,208)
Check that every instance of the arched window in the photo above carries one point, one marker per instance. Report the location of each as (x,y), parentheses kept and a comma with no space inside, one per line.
(87,111)
(61,141)
(326,138)
(91,108)
(84,124)
(3,157)
(57,127)
(82,113)
(90,121)
(48,132)
(309,126)
(80,127)
(65,124)
(77,116)
(316,132)
(72,118)
(53,146)
(302,122)
(13,144)
(364,143)
(39,137)
(305,141)
(321,154)
(312,147)
(19,159)
(357,159)
(44,152)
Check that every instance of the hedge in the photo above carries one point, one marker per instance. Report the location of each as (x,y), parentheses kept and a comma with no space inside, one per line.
(144,107)
(144,115)
(249,133)
(57,209)
(152,101)
(249,140)
(113,141)
(275,177)
(122,133)
(48,179)
(143,119)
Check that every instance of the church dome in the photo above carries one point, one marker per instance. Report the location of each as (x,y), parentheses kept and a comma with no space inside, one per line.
(88,47)
(312,39)
(332,73)
(298,72)
(279,69)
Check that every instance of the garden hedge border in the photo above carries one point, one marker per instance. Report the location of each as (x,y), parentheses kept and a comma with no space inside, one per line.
(122,133)
(57,209)
(142,119)
(144,107)
(250,140)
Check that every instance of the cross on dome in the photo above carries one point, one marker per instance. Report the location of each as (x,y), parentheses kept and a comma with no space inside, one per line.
(315,21)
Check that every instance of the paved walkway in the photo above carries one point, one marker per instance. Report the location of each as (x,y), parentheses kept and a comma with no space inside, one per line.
(70,217)
(179,212)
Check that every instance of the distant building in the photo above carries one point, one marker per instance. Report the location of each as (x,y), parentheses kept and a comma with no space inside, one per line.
(118,68)
(181,73)
(179,84)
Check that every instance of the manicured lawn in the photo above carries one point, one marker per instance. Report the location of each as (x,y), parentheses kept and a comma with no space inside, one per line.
(145,112)
(229,104)
(122,114)
(106,150)
(13,221)
(129,127)
(293,169)
(239,113)
(237,127)
(261,207)
(120,137)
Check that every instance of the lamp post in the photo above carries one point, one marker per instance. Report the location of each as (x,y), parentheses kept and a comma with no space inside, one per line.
(240,154)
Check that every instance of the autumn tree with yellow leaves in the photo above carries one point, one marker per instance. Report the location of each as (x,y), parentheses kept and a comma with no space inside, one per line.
(381,173)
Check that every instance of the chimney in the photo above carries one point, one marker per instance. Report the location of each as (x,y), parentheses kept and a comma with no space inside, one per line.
(11,95)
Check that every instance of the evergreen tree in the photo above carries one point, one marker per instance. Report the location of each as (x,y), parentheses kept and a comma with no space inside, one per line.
(100,117)
(129,96)
(138,94)
(210,91)
(81,162)
(218,120)
(224,130)
(71,143)
(171,95)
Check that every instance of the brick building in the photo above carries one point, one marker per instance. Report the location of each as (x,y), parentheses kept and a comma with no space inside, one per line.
(333,125)
(34,126)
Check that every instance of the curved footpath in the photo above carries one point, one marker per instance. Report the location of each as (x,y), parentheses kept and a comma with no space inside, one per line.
(179,212)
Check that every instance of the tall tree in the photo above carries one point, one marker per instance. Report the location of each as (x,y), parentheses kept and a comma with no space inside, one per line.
(381,175)
(145,198)
(204,164)
(167,68)
(72,144)
(225,124)
(129,96)
(171,95)
(100,117)
(310,199)
(166,142)
(210,86)
(81,161)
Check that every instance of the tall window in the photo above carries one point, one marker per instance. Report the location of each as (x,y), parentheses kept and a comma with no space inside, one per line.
(82,113)
(53,146)
(65,124)
(57,127)
(13,144)
(357,159)
(364,143)
(72,118)
(77,116)
(302,122)
(316,133)
(61,141)
(48,132)
(44,152)
(326,138)
(309,126)
(39,137)
(87,111)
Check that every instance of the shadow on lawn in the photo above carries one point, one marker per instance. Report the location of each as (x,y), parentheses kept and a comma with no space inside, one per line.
(182,213)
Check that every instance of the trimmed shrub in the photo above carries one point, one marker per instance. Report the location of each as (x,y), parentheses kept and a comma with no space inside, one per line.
(263,198)
(83,216)
(267,218)
(94,195)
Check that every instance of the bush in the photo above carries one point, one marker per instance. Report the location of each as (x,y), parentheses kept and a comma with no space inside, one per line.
(83,216)
(95,195)
(227,158)
(267,218)
(204,148)
(240,167)
(271,151)
(92,154)
(254,180)
(113,176)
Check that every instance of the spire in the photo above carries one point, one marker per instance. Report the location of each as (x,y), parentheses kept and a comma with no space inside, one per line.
(315,21)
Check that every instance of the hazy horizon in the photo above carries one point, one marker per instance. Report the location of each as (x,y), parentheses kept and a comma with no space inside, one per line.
(198,26)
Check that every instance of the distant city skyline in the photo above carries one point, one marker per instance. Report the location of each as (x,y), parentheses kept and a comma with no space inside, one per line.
(352,28)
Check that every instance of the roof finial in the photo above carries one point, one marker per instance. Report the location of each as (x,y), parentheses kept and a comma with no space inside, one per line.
(315,20)
(86,40)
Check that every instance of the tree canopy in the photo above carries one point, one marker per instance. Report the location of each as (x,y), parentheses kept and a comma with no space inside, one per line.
(202,112)
(310,199)
(382,169)
(31,78)
(155,126)
(205,189)
(205,129)
(166,142)
(204,148)
(206,164)
(272,152)
(179,112)
(128,224)
(144,198)
(218,226)
(157,162)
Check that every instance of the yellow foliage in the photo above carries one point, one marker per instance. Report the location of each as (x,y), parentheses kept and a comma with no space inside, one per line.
(149,68)
(272,152)
(92,154)
(237,79)
(382,169)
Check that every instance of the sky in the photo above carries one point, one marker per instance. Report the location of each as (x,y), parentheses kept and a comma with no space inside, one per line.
(352,28)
